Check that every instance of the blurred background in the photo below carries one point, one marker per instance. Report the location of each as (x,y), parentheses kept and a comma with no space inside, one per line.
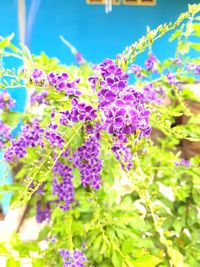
(87,24)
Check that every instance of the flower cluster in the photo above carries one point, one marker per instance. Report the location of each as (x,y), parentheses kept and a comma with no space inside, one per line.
(61,83)
(79,112)
(55,139)
(123,154)
(177,61)
(43,212)
(31,136)
(39,98)
(172,79)
(74,258)
(64,189)
(6,102)
(194,67)
(58,80)
(136,69)
(5,133)
(150,63)
(93,82)
(86,158)
(122,106)
(153,95)
(38,77)
(183,162)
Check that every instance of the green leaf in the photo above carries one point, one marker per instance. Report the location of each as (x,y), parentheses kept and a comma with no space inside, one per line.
(11,118)
(177,258)
(147,261)
(11,262)
(117,258)
(3,250)
(176,34)
(127,246)
(6,41)
(43,233)
(196,28)
(196,46)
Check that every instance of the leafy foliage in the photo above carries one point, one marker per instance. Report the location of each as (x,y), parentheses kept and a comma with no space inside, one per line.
(147,215)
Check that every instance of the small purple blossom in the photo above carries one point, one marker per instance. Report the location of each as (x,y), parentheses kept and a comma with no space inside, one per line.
(197,70)
(79,112)
(61,82)
(30,136)
(177,61)
(136,69)
(150,63)
(123,154)
(6,102)
(43,211)
(86,158)
(55,139)
(5,134)
(172,79)
(153,95)
(39,98)
(194,67)
(74,258)
(63,189)
(93,82)
(79,58)
(38,76)
(183,162)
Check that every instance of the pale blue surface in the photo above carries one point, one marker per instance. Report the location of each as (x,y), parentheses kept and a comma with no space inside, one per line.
(5,178)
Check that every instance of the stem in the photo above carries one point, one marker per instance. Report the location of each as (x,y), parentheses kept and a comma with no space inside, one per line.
(147,200)
(9,54)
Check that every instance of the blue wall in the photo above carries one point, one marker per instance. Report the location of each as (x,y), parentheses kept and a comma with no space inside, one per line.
(96,34)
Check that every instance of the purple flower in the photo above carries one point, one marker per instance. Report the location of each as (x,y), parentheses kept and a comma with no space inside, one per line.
(123,154)
(79,112)
(172,79)
(6,102)
(74,258)
(194,67)
(39,98)
(183,162)
(61,82)
(5,133)
(93,81)
(150,63)
(79,58)
(137,70)
(54,138)
(86,158)
(127,114)
(197,70)
(153,95)
(191,66)
(30,136)
(43,212)
(123,110)
(177,61)
(64,189)
(38,76)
